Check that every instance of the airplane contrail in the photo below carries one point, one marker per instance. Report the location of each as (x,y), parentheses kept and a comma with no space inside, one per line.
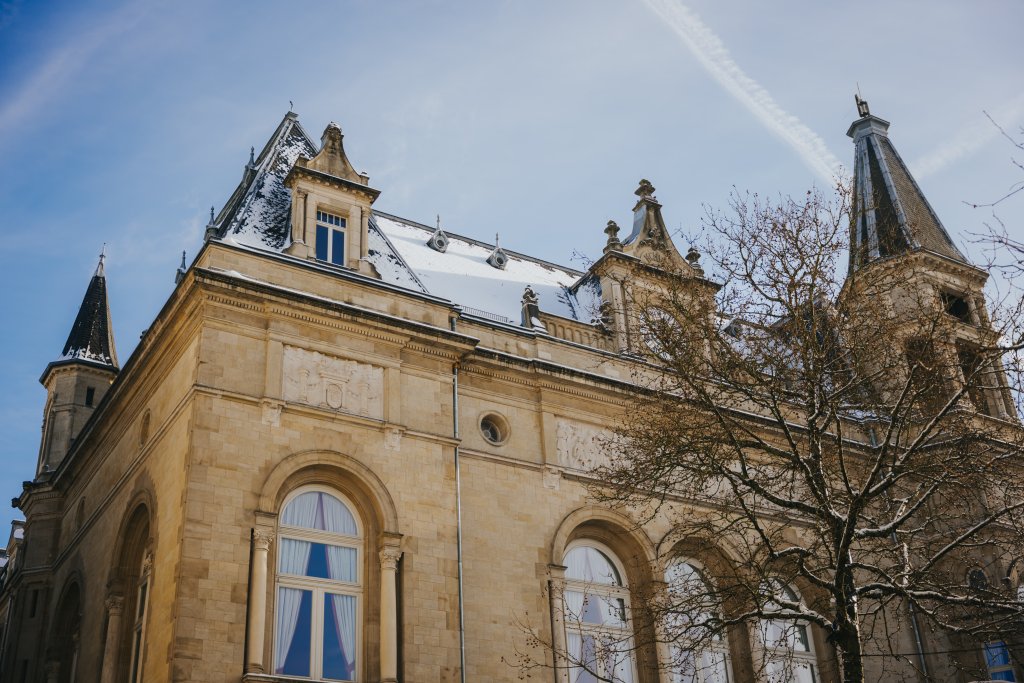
(712,54)
(970,138)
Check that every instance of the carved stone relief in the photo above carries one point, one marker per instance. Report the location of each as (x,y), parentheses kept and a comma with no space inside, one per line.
(580,445)
(333,383)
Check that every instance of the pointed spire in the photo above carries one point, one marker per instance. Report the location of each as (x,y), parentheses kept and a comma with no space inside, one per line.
(180,274)
(211,228)
(890,213)
(91,338)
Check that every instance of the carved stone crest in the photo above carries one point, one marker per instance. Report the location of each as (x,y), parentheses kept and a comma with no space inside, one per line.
(324,381)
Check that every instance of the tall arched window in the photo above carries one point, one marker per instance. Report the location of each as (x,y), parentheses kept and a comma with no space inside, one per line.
(138,624)
(319,588)
(789,650)
(598,633)
(699,655)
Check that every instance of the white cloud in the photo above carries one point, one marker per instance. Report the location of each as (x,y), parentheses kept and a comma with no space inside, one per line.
(57,69)
(972,137)
(716,60)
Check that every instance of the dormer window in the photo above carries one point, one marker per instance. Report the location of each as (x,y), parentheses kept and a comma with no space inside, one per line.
(330,238)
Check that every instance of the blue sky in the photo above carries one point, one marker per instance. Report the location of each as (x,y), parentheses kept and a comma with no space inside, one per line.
(122,122)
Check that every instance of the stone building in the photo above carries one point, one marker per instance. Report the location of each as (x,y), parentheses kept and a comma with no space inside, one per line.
(352,446)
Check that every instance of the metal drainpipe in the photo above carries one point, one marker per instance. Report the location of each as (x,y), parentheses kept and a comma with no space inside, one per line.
(458,513)
(914,626)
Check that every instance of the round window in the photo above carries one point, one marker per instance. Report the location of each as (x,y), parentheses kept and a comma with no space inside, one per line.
(494,428)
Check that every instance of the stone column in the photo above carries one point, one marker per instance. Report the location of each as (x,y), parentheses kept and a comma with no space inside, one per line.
(557,588)
(115,607)
(258,601)
(389,556)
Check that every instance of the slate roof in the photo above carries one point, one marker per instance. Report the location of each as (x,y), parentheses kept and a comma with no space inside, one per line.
(91,338)
(890,212)
(257,215)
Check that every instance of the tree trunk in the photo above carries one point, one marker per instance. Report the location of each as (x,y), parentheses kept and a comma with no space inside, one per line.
(853,660)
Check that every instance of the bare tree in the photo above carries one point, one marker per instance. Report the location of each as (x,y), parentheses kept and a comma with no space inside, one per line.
(841,456)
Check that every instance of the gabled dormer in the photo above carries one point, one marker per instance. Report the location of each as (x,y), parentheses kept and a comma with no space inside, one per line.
(645,272)
(330,207)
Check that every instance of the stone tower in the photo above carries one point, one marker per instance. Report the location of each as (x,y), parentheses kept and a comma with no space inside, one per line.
(77,381)
(899,246)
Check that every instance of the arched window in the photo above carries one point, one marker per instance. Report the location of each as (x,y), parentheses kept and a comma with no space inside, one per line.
(138,624)
(319,588)
(699,655)
(788,646)
(598,633)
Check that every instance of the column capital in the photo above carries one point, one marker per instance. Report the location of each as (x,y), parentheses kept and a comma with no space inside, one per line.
(261,539)
(114,604)
(389,557)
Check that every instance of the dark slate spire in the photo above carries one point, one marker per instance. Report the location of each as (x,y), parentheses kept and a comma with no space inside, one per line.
(91,337)
(890,213)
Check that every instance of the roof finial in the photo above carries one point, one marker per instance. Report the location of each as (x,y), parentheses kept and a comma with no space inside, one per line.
(211,229)
(495,240)
(438,226)
(180,274)
(862,105)
(103,256)
(252,157)
(291,106)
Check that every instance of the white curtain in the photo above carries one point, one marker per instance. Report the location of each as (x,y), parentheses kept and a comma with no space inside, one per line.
(288,602)
(336,516)
(589,564)
(344,608)
(294,556)
(341,563)
(302,512)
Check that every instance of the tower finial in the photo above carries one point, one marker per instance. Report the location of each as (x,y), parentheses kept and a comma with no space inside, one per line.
(103,256)
(862,105)
(252,156)
(291,106)
(438,221)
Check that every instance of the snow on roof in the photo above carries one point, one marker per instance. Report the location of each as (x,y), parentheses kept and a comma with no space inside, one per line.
(462,275)
(261,216)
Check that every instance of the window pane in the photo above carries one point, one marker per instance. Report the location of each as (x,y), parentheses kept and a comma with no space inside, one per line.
(996,654)
(599,610)
(339,637)
(293,631)
(1002,676)
(589,564)
(318,560)
(321,242)
(338,247)
(321,511)
(582,658)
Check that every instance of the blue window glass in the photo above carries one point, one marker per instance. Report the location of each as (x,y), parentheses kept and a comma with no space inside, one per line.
(339,635)
(321,242)
(294,632)
(338,247)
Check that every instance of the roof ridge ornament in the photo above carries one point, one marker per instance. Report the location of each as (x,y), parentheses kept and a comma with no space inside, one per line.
(211,228)
(497,258)
(613,244)
(179,275)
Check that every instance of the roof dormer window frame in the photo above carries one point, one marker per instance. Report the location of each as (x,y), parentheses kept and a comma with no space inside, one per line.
(330,235)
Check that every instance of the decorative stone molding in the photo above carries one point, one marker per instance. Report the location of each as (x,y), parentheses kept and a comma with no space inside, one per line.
(580,445)
(114,604)
(261,539)
(315,379)
(389,557)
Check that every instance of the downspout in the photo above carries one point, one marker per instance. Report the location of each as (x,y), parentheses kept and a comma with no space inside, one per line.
(914,625)
(458,513)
